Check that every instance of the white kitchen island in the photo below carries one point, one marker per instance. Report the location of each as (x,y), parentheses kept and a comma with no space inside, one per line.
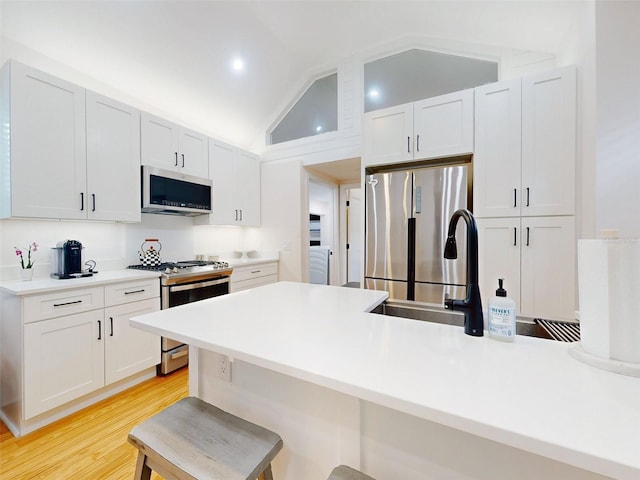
(403,399)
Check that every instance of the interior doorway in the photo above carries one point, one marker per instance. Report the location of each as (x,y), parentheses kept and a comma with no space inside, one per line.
(323,231)
(335,224)
(351,233)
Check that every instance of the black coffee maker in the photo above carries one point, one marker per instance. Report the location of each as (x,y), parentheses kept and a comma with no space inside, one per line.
(67,260)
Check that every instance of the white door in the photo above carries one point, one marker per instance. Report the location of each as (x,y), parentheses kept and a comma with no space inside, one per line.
(129,350)
(323,262)
(388,135)
(549,143)
(497,155)
(159,142)
(64,360)
(443,125)
(113,160)
(48,149)
(193,156)
(354,235)
(548,267)
(499,257)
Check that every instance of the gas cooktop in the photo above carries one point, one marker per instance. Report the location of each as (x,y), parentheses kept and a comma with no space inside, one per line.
(184,267)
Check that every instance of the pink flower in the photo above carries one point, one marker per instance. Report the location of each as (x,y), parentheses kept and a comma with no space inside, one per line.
(33,247)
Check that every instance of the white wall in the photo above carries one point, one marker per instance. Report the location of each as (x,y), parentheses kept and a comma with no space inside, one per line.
(618,116)
(116,245)
(102,242)
(284,206)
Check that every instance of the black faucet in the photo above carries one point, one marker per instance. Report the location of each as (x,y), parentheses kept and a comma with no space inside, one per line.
(472,305)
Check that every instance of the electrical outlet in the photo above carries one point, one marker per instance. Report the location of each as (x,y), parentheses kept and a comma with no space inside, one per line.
(223,368)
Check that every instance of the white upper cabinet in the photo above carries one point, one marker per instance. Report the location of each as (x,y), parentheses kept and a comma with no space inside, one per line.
(436,127)
(236,187)
(549,142)
(113,160)
(443,125)
(44,173)
(497,157)
(172,147)
(247,190)
(525,136)
(222,160)
(388,135)
(73,154)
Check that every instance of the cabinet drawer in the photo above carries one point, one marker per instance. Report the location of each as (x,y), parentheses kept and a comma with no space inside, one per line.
(254,271)
(119,293)
(252,283)
(66,302)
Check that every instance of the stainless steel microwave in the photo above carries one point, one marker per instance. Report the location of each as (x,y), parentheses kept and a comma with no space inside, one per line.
(174,193)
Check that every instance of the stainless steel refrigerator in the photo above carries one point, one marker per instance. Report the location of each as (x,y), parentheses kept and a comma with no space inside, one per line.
(407,216)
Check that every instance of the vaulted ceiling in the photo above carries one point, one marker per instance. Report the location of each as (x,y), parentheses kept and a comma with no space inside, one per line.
(176,55)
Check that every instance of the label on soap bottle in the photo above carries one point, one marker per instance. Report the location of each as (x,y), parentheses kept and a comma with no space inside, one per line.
(501,321)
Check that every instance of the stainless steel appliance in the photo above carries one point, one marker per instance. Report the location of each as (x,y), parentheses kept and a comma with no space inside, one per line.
(407,215)
(67,260)
(174,193)
(181,283)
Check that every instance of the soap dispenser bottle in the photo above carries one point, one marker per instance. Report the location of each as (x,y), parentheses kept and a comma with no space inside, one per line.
(501,315)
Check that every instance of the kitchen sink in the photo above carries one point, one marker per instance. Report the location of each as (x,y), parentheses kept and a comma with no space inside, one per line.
(434,314)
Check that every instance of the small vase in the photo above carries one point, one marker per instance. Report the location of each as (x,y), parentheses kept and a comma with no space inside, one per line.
(26,274)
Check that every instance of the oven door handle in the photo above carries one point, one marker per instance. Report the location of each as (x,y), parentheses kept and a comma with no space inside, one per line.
(179,354)
(193,286)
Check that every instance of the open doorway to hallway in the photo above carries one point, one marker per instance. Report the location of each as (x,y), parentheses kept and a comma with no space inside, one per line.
(335,222)
(351,234)
(323,228)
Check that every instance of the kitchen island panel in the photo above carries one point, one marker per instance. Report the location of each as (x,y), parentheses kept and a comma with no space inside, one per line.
(529,394)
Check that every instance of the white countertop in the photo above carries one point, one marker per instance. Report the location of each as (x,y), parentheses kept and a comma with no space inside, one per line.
(47,284)
(530,394)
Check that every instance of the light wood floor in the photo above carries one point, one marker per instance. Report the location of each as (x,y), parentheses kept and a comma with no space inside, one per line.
(90,444)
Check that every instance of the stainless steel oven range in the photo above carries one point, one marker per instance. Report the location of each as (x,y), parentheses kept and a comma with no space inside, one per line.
(186,282)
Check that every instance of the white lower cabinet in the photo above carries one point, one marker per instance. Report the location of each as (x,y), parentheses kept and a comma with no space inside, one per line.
(74,342)
(536,257)
(128,350)
(64,359)
(251,276)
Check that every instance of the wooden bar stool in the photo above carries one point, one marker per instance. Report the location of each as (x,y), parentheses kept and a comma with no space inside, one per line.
(192,440)
(347,473)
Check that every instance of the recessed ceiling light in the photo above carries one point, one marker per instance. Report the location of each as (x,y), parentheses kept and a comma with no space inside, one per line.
(237,64)
(374,93)
(319,128)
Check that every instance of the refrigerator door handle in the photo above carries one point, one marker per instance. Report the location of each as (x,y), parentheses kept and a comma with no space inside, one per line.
(418,199)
